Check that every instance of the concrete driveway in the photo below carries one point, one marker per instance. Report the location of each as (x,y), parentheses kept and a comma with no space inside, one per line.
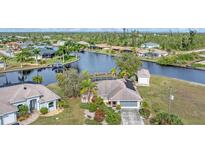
(131,117)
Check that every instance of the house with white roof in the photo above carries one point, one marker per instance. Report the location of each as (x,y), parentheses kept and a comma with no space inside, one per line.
(150,45)
(35,96)
(60,43)
(84,43)
(119,91)
(143,77)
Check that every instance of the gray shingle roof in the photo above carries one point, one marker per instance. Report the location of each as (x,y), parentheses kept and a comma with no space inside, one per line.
(116,90)
(17,93)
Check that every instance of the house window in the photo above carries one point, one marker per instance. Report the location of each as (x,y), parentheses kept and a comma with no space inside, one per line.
(114,104)
(51,104)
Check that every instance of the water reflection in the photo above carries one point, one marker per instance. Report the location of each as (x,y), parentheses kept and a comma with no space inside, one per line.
(98,63)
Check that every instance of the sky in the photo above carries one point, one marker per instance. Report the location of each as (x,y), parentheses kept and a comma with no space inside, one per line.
(155,30)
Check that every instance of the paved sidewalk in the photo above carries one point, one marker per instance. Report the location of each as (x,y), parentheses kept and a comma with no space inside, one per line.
(33,117)
(131,117)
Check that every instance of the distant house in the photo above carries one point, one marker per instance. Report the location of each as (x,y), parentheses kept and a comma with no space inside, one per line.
(101,46)
(154,53)
(60,43)
(143,77)
(120,92)
(14,46)
(46,51)
(143,53)
(150,45)
(26,44)
(7,53)
(84,43)
(122,49)
(46,37)
(35,96)
(159,53)
(2,64)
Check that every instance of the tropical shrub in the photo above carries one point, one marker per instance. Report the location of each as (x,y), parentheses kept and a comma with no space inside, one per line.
(61,104)
(99,115)
(23,110)
(178,59)
(145,105)
(92,107)
(118,107)
(145,113)
(43,62)
(44,110)
(37,79)
(113,118)
(163,118)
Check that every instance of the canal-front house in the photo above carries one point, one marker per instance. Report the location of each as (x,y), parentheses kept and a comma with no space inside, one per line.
(35,96)
(150,45)
(119,91)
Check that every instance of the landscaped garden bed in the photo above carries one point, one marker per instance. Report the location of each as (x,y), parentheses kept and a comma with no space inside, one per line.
(98,113)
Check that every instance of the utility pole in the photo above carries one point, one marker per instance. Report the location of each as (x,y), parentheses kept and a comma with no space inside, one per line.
(171,98)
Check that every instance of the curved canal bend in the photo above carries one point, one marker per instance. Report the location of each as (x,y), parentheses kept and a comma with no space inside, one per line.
(99,63)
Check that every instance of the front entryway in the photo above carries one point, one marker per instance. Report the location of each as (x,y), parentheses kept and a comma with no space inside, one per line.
(131,117)
(32,105)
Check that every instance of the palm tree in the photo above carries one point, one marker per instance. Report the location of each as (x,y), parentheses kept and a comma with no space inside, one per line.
(65,49)
(88,88)
(114,72)
(76,48)
(36,52)
(61,51)
(22,56)
(5,60)
(125,74)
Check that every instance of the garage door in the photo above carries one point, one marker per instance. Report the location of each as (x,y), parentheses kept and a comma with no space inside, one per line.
(9,118)
(127,104)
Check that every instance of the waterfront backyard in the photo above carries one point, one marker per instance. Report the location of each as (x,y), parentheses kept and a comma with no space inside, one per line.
(100,63)
(14,65)
(189,101)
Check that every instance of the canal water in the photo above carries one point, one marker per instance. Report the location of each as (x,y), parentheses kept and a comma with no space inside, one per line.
(100,63)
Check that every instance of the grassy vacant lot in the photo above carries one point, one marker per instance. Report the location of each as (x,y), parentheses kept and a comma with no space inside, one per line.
(72,114)
(189,102)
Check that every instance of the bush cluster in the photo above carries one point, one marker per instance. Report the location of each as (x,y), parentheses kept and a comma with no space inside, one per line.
(44,110)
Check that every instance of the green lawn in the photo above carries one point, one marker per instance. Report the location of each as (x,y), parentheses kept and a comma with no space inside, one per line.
(72,114)
(31,64)
(58,59)
(189,102)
